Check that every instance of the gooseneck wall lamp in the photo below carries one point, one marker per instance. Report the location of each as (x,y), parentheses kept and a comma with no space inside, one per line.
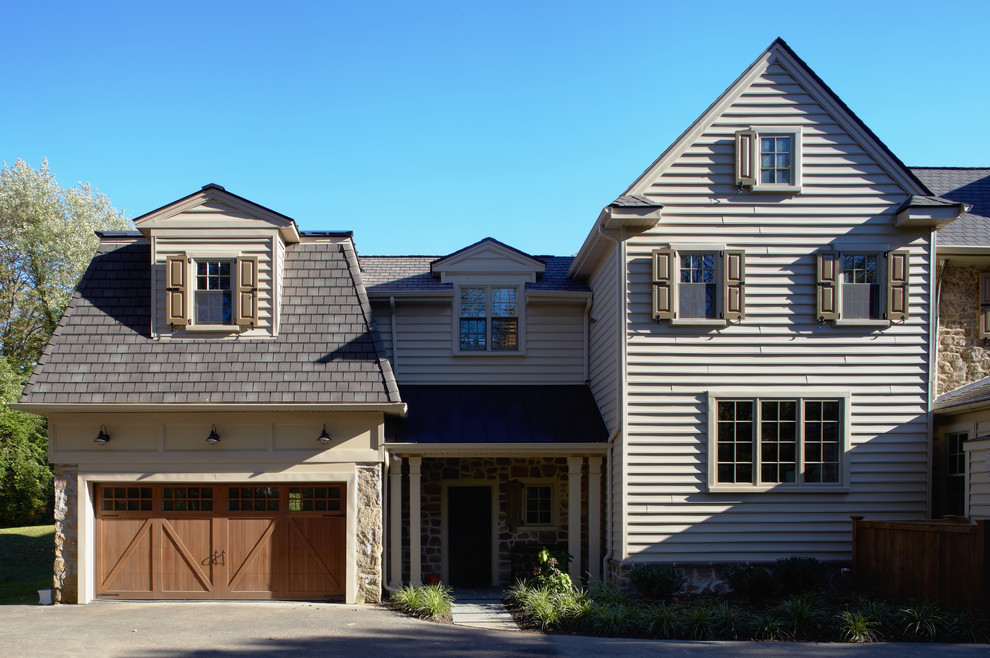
(213,438)
(324,438)
(102,438)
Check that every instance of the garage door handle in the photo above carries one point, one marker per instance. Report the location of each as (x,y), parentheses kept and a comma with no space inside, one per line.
(219,557)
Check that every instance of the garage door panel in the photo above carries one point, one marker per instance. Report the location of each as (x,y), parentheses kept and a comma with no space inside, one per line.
(315,562)
(125,556)
(186,558)
(252,557)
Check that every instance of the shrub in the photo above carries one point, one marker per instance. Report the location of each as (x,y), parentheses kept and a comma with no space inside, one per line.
(606,592)
(548,573)
(966,627)
(768,627)
(426,602)
(657,581)
(663,621)
(797,575)
(730,623)
(545,608)
(613,619)
(858,627)
(750,582)
(699,624)
(798,615)
(921,622)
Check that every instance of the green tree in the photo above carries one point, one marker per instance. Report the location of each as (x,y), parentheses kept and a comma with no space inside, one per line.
(46,242)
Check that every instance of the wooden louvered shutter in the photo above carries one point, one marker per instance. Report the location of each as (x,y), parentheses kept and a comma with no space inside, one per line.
(176,291)
(514,504)
(828,283)
(984,324)
(733,284)
(897,285)
(247,291)
(746,157)
(663,280)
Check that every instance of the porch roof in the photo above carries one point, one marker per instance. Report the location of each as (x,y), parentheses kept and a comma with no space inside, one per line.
(558,414)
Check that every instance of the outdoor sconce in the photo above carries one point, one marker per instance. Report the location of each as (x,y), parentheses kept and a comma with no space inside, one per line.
(213,438)
(324,438)
(102,438)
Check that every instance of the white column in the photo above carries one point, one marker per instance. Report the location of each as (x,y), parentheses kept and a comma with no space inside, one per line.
(574,516)
(594,517)
(395,522)
(415,520)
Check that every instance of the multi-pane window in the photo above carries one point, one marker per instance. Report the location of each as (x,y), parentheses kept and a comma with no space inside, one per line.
(698,286)
(214,298)
(252,499)
(538,505)
(776,162)
(778,441)
(955,454)
(489,319)
(861,276)
(187,499)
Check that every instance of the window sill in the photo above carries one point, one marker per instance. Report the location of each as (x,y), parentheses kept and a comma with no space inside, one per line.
(213,328)
(489,353)
(860,322)
(775,189)
(778,488)
(698,322)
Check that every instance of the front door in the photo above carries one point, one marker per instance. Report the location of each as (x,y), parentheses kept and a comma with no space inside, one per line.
(469,541)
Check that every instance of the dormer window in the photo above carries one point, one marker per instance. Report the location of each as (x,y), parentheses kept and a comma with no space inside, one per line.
(489,319)
(214,298)
(211,293)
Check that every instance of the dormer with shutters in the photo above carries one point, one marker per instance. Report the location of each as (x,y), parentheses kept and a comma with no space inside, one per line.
(217,263)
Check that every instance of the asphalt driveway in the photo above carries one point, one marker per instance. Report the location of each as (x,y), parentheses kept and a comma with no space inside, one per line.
(294,629)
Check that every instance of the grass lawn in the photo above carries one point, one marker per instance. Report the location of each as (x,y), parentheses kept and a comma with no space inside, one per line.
(26,556)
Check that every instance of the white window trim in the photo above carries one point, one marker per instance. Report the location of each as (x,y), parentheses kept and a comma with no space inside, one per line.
(796,393)
(796,135)
(554,504)
(520,320)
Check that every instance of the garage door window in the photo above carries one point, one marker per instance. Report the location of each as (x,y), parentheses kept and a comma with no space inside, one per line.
(314,499)
(187,499)
(126,499)
(252,499)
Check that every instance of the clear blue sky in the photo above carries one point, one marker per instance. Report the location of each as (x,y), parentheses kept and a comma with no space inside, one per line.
(425,126)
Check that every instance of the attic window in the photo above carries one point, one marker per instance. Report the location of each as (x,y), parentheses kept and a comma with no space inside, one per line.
(211,294)
(214,298)
(768,159)
(489,319)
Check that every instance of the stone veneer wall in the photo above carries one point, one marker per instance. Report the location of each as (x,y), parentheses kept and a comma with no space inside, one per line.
(962,356)
(66,565)
(368,544)
(436,471)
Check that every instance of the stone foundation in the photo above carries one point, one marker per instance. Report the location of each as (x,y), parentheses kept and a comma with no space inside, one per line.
(65,580)
(368,543)
(963,357)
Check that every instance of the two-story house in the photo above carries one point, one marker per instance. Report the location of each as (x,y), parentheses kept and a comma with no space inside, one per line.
(737,359)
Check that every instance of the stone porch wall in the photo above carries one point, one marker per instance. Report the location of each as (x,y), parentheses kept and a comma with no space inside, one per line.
(369,541)
(962,356)
(65,580)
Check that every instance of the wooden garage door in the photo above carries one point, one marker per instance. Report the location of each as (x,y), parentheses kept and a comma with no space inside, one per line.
(220,542)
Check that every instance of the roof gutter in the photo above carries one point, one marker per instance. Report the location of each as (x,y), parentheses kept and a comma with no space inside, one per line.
(397,408)
(500,449)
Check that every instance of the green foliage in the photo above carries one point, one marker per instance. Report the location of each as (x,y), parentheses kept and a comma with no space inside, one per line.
(798,615)
(26,557)
(657,581)
(730,622)
(606,592)
(545,608)
(548,573)
(922,621)
(858,627)
(751,582)
(966,627)
(796,575)
(426,601)
(700,622)
(26,489)
(769,627)
(613,619)
(663,621)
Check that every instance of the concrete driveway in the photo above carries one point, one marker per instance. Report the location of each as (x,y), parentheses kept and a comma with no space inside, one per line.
(295,629)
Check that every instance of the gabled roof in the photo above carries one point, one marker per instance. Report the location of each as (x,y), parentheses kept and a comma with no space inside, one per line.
(328,350)
(970,185)
(781,53)
(216,196)
(512,257)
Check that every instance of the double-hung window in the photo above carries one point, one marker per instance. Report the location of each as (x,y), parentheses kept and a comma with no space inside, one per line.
(213,300)
(694,285)
(489,319)
(955,462)
(211,293)
(777,442)
(862,286)
(697,289)
(768,159)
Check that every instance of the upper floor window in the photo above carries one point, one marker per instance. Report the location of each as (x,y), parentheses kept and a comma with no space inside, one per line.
(691,285)
(489,319)
(768,158)
(214,298)
(213,294)
(697,295)
(862,287)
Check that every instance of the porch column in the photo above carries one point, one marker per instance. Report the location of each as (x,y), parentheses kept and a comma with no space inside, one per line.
(594,517)
(574,516)
(395,522)
(415,519)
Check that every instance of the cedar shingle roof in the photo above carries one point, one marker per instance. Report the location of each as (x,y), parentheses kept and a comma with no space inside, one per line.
(328,349)
(966,185)
(384,274)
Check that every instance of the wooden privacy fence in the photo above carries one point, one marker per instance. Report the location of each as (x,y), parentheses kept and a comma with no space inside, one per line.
(945,561)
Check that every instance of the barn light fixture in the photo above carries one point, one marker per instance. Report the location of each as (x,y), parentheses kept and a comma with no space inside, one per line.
(324,438)
(102,438)
(213,438)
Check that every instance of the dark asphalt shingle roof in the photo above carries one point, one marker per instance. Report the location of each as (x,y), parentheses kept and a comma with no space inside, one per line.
(384,274)
(978,391)
(328,348)
(498,414)
(965,185)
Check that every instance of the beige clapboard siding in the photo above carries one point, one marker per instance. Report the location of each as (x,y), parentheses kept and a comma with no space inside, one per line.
(979,481)
(779,348)
(604,340)
(554,351)
(383,318)
(260,247)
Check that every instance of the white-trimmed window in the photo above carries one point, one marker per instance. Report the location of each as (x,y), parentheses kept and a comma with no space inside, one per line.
(694,285)
(537,504)
(211,293)
(768,159)
(488,319)
(983,327)
(862,286)
(771,442)
(214,298)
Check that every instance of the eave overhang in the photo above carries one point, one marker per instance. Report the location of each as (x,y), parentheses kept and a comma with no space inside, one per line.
(497,449)
(613,218)
(929,212)
(395,408)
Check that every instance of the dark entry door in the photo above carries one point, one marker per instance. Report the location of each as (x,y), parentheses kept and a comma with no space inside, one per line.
(469,528)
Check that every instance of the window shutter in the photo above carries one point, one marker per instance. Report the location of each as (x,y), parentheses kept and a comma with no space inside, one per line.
(514,504)
(733,283)
(745,157)
(247,291)
(984,320)
(175,290)
(828,281)
(897,285)
(663,279)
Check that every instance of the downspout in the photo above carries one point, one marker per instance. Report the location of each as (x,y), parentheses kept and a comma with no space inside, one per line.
(587,339)
(395,339)
(934,319)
